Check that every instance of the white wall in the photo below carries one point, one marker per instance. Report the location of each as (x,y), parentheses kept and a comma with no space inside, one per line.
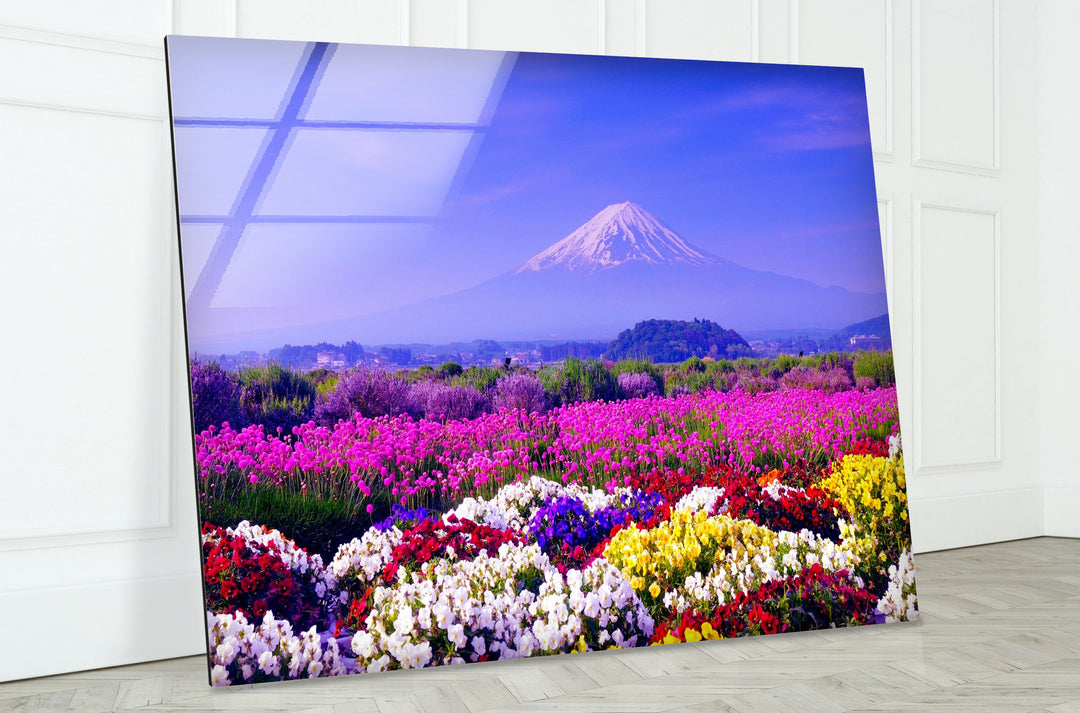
(97,523)
(1059,264)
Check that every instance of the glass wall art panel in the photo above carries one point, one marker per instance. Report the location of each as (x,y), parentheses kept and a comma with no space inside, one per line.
(496,355)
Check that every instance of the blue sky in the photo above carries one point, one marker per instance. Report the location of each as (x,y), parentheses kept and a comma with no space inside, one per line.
(768,166)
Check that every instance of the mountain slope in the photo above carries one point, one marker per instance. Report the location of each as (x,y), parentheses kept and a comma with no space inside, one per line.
(621,233)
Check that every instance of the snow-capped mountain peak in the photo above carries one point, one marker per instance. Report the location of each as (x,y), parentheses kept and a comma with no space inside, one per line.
(620,233)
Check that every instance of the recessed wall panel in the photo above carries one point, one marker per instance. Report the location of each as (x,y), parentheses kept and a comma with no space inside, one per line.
(956,337)
(700,29)
(955,80)
(369,21)
(81,280)
(523,25)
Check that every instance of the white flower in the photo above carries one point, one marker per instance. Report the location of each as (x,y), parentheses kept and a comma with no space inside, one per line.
(363,644)
(379,664)
(226,652)
(416,655)
(443,615)
(269,664)
(219,676)
(456,634)
(404,622)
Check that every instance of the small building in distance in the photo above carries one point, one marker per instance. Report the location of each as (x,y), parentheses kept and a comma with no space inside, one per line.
(870,342)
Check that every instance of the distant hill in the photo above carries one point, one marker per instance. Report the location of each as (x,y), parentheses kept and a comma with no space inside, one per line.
(876,327)
(668,340)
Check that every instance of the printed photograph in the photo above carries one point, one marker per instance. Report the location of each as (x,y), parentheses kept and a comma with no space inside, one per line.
(497,355)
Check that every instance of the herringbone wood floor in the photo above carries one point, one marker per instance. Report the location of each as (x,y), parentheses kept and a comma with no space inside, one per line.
(1000,631)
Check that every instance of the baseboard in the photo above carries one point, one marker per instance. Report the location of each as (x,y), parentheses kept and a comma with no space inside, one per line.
(158,618)
(1061,509)
(976,519)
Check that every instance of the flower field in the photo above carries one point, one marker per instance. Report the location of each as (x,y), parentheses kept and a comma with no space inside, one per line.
(517,532)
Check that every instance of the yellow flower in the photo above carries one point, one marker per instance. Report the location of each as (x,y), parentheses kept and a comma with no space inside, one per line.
(872,490)
(581,646)
(692,635)
(654,590)
(708,632)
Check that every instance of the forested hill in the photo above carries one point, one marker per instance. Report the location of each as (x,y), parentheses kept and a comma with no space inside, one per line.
(667,341)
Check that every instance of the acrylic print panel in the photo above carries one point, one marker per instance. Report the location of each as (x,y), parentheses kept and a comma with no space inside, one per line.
(498,354)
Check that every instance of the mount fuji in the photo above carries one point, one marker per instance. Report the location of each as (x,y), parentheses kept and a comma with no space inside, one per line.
(621,267)
(621,234)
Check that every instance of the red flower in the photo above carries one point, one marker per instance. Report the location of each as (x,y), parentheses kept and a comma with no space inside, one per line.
(251,577)
(229,589)
(812,599)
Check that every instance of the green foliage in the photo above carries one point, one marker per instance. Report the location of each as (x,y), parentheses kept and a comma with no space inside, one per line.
(877,366)
(670,341)
(689,382)
(324,380)
(580,380)
(784,363)
(693,364)
(837,360)
(318,524)
(276,397)
(450,369)
(724,366)
(481,378)
(747,364)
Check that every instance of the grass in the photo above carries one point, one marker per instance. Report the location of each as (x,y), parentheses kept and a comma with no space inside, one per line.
(318,524)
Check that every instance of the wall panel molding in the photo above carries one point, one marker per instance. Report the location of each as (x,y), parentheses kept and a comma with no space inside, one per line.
(461,26)
(755,30)
(986,517)
(405,22)
(919,465)
(641,19)
(83,42)
(793,31)
(920,157)
(885,225)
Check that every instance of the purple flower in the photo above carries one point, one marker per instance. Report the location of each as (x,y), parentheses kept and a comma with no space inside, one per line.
(215,395)
(829,379)
(637,385)
(522,392)
(436,400)
(368,392)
